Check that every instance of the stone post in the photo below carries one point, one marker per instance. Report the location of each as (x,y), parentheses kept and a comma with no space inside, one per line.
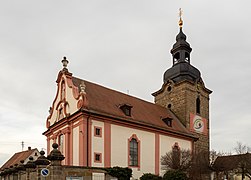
(41,163)
(56,157)
(21,169)
(5,173)
(11,172)
(30,166)
(15,172)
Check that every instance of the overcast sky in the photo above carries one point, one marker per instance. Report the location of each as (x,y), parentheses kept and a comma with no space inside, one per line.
(124,45)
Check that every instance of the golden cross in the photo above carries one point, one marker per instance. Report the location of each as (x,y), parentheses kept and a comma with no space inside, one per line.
(180,15)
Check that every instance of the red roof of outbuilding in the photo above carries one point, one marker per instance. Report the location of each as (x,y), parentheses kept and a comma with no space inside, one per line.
(17,157)
(231,162)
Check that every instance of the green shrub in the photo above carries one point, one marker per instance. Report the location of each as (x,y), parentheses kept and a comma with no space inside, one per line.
(120,173)
(174,175)
(149,176)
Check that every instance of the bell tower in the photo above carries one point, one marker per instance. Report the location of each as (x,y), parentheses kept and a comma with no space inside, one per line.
(184,92)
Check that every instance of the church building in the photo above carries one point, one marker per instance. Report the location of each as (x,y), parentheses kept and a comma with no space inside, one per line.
(99,127)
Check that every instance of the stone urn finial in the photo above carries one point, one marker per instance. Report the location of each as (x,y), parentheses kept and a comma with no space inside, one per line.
(65,63)
(55,154)
(41,160)
(30,163)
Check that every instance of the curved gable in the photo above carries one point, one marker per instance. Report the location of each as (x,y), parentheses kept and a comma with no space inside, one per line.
(66,100)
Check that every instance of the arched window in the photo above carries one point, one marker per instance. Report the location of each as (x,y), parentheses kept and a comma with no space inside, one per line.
(133,157)
(176,58)
(187,57)
(60,114)
(134,151)
(61,143)
(198,105)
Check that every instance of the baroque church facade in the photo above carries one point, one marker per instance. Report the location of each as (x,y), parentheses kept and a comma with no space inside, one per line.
(99,127)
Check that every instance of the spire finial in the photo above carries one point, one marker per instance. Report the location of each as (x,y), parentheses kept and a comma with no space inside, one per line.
(65,63)
(180,15)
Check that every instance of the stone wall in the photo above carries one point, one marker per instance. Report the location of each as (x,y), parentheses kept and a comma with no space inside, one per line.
(32,170)
(180,98)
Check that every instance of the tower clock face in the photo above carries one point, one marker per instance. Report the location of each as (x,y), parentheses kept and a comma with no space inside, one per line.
(198,124)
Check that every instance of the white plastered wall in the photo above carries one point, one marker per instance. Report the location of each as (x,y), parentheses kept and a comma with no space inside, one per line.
(97,143)
(75,139)
(119,149)
(166,144)
(51,142)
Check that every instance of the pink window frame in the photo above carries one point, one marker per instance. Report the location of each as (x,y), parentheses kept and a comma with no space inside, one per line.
(96,135)
(134,136)
(100,159)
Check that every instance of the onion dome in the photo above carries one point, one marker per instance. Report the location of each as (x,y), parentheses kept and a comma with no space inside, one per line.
(181,69)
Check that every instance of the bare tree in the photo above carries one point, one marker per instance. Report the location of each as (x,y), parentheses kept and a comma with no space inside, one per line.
(177,160)
(244,159)
(242,148)
(212,156)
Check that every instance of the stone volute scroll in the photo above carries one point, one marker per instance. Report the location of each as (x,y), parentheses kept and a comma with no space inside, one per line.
(82,88)
(82,102)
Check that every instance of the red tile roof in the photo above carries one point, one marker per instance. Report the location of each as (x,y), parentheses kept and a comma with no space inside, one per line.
(17,157)
(107,101)
(226,163)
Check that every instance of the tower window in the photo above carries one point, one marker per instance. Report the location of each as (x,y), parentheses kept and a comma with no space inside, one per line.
(198,105)
(187,57)
(176,58)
